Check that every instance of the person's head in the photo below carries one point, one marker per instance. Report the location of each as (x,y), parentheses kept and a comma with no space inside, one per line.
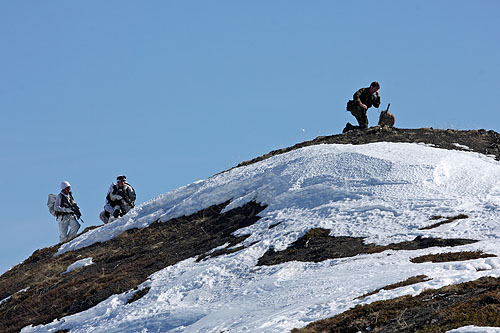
(374,87)
(120,180)
(65,186)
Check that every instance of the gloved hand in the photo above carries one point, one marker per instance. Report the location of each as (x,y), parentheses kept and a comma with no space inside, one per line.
(116,213)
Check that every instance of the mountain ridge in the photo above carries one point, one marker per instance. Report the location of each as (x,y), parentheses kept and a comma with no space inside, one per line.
(215,227)
(481,141)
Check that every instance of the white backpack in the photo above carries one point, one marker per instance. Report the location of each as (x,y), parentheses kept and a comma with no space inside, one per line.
(51,203)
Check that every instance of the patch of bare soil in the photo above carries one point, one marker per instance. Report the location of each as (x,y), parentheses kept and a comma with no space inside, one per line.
(140,293)
(471,303)
(317,245)
(120,265)
(451,256)
(445,221)
(407,282)
(480,141)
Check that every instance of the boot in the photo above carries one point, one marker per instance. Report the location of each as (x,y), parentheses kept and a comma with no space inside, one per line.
(348,127)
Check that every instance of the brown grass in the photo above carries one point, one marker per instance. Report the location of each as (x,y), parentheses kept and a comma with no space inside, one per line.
(451,256)
(407,282)
(316,245)
(447,220)
(472,303)
(120,265)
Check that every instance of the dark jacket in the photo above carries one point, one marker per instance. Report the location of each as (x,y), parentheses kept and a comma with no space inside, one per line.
(363,96)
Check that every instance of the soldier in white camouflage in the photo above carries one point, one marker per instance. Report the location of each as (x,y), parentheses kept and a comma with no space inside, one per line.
(363,99)
(67,213)
(119,200)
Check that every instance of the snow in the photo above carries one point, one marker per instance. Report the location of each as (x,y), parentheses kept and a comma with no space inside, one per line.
(384,192)
(475,329)
(5,299)
(78,264)
(461,146)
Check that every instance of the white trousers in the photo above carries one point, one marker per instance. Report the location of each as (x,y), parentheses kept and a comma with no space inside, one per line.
(66,221)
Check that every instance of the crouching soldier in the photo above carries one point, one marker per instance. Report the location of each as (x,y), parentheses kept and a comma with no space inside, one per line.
(67,212)
(119,200)
(363,99)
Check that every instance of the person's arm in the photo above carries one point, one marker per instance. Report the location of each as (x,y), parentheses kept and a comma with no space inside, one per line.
(131,193)
(357,98)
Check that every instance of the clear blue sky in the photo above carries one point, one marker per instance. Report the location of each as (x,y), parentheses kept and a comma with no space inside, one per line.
(169,92)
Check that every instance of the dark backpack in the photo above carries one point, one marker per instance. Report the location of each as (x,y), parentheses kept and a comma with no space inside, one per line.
(349,105)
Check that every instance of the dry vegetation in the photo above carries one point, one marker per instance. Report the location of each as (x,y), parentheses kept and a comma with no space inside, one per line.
(317,245)
(472,303)
(445,221)
(451,256)
(407,282)
(120,265)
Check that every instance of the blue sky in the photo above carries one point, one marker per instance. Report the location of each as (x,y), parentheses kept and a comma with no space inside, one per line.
(169,92)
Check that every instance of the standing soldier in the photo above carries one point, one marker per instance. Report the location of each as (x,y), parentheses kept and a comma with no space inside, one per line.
(67,212)
(363,99)
(119,199)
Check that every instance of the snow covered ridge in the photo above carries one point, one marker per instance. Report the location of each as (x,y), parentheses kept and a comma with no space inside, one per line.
(385,192)
(330,181)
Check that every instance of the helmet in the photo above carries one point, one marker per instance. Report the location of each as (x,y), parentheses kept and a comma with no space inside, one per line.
(65,184)
(121,178)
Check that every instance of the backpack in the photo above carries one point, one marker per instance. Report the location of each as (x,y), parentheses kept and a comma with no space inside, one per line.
(51,202)
(349,105)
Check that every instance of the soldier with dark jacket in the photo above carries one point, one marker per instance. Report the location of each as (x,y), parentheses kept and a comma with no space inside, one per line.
(363,99)
(67,212)
(119,200)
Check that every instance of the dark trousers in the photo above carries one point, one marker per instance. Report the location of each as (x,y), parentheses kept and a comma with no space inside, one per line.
(360,114)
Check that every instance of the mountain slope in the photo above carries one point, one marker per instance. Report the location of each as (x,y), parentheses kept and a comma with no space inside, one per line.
(199,256)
